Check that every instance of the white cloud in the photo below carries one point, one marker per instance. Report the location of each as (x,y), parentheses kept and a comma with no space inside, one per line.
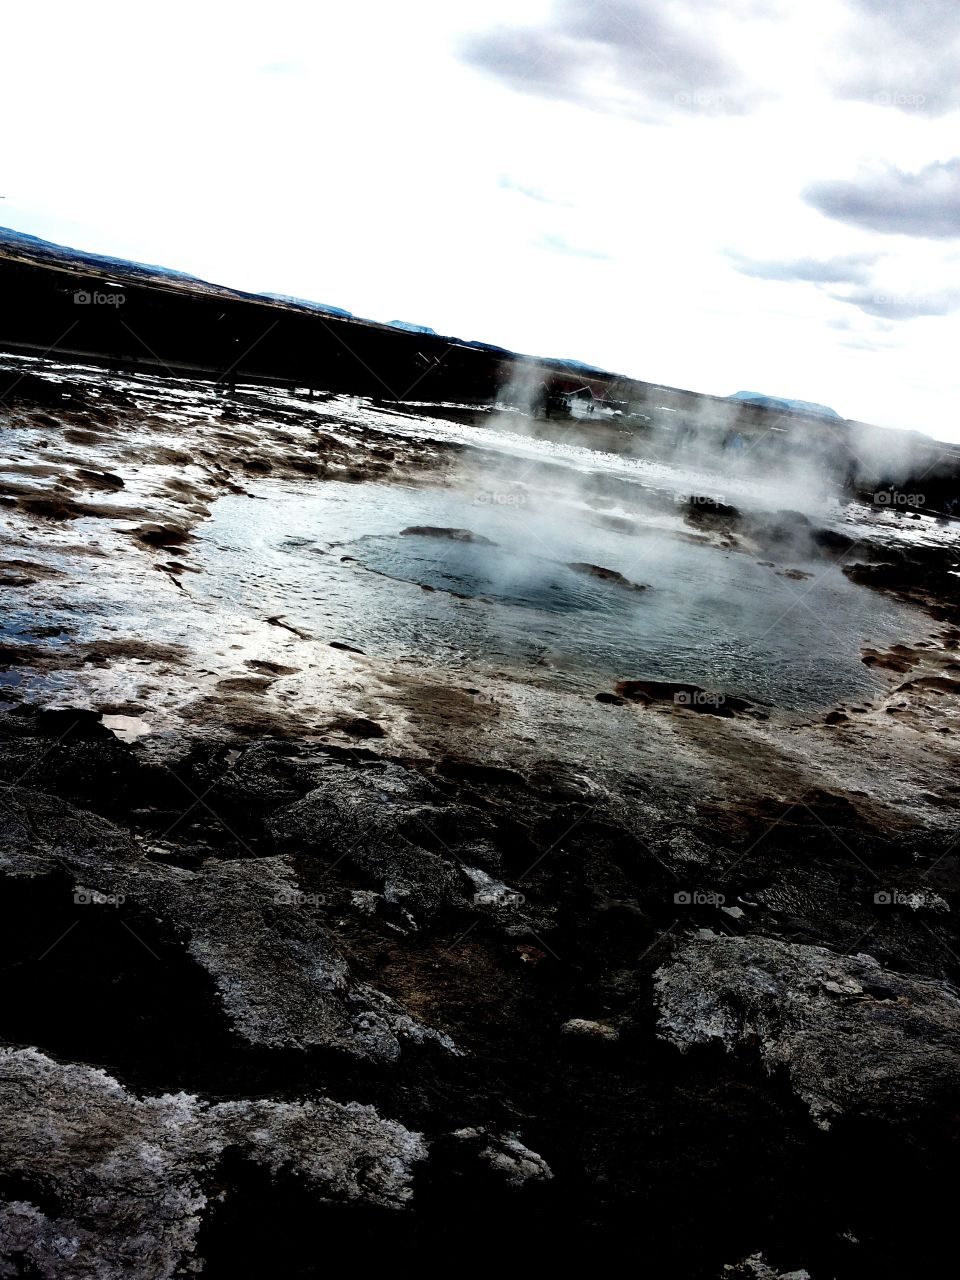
(925,203)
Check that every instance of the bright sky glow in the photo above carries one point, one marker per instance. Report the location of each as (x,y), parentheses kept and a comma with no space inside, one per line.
(715,194)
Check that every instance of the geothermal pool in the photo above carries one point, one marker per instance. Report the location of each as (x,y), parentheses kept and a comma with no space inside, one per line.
(336,563)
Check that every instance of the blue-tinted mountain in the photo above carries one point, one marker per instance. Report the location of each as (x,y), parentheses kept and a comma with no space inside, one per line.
(305,302)
(785,405)
(410,328)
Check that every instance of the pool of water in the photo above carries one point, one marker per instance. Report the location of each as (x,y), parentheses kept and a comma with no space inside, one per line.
(336,563)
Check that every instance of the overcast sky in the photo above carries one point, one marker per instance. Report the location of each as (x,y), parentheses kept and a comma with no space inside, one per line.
(715,194)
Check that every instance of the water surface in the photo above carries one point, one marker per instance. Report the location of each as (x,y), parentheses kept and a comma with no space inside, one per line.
(336,562)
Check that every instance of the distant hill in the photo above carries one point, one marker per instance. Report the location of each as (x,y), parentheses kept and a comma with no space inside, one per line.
(305,302)
(579,364)
(32,247)
(35,248)
(410,328)
(788,406)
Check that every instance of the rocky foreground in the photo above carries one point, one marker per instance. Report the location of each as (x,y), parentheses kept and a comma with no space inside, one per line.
(308,954)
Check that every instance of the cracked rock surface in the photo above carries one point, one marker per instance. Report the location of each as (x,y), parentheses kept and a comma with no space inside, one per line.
(851,1035)
(114,1185)
(277,972)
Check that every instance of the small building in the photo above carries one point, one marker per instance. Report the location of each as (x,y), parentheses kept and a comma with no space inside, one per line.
(583,402)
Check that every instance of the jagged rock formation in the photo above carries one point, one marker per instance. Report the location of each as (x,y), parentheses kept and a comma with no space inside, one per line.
(112,1185)
(851,1035)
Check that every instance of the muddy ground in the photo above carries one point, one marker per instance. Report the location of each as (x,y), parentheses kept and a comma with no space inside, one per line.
(307,949)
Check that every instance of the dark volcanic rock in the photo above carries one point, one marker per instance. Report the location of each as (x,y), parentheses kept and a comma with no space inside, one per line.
(928,576)
(112,1185)
(361,727)
(453,535)
(689,696)
(162,535)
(708,511)
(852,1036)
(278,975)
(389,824)
(791,534)
(605,575)
(100,479)
(756,1267)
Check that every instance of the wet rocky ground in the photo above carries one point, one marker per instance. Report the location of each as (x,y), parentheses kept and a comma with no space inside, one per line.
(315,944)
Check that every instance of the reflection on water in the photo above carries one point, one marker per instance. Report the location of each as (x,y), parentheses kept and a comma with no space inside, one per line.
(335,563)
